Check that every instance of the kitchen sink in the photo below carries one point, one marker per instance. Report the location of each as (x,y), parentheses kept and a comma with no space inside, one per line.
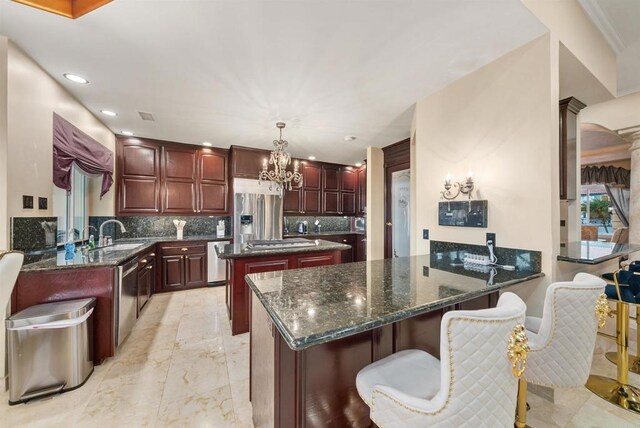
(121,247)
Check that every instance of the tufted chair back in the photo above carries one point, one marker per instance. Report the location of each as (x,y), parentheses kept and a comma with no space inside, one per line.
(562,347)
(477,385)
(10,265)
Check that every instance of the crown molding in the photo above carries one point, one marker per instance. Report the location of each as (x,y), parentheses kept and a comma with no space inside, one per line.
(602,22)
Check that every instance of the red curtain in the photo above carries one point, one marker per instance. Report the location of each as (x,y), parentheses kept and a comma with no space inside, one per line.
(71,145)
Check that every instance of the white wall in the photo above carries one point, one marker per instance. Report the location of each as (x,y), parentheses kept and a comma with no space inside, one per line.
(569,23)
(375,203)
(501,122)
(4,218)
(33,97)
(623,112)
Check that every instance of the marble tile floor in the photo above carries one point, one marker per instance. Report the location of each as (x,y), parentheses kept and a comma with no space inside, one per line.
(182,368)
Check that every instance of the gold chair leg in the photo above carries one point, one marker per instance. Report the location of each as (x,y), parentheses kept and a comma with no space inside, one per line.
(633,360)
(618,391)
(521,406)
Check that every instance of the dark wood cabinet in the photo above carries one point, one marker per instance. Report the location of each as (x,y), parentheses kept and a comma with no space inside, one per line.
(331,178)
(330,202)
(347,203)
(160,177)
(362,191)
(361,248)
(183,265)
(338,192)
(292,203)
(138,177)
(348,179)
(247,162)
(213,188)
(311,201)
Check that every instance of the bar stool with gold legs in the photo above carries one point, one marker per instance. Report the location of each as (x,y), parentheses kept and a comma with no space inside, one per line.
(562,341)
(618,391)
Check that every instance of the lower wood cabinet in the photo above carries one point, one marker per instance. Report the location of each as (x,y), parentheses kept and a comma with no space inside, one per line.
(146,279)
(182,266)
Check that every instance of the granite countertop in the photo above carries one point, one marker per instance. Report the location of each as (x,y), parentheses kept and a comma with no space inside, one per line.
(101,257)
(237,251)
(327,233)
(316,305)
(594,252)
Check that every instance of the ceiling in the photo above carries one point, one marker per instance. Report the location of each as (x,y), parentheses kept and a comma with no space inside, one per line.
(618,21)
(226,71)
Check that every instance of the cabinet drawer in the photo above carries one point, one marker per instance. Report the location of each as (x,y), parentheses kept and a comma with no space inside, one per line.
(175,250)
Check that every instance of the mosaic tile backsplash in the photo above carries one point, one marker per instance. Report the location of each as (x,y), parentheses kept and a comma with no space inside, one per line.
(157,226)
(521,259)
(33,233)
(329,224)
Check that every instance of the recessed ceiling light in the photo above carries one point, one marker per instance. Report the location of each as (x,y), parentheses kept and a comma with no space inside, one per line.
(206,143)
(358,164)
(109,112)
(75,78)
(349,138)
(129,133)
(312,158)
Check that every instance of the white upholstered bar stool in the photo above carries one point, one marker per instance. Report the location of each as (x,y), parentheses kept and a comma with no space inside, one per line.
(562,341)
(10,265)
(474,383)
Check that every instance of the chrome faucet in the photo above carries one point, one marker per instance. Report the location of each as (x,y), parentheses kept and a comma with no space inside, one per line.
(101,239)
(85,229)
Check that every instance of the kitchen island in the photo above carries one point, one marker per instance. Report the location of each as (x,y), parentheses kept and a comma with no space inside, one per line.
(312,330)
(243,260)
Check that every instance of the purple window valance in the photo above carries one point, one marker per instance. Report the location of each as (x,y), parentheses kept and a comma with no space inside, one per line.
(71,145)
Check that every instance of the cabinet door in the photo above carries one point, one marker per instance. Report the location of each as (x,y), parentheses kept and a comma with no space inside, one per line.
(172,272)
(348,203)
(292,201)
(312,174)
(330,202)
(330,178)
(144,276)
(179,171)
(213,165)
(311,201)
(361,249)
(247,162)
(195,270)
(213,198)
(362,191)
(348,179)
(138,177)
(312,261)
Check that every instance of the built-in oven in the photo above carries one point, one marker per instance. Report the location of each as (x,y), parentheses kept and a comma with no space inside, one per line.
(126,293)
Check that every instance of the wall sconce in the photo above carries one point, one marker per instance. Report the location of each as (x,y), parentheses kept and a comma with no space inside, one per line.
(465,187)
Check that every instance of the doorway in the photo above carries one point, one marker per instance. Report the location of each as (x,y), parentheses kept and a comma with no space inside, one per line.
(397,165)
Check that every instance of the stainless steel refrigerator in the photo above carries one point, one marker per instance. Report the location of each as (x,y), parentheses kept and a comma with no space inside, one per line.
(257,216)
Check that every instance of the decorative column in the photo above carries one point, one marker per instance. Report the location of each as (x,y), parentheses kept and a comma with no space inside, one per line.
(634,193)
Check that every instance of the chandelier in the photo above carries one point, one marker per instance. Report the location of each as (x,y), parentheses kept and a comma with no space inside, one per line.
(280,159)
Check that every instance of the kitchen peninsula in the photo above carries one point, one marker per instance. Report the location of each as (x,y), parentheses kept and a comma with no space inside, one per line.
(243,260)
(312,330)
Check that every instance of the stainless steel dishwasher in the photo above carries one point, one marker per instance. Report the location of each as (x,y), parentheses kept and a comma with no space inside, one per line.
(126,299)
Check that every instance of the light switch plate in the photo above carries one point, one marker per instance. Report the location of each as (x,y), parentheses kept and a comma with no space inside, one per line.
(27,202)
(42,203)
(425,271)
(425,233)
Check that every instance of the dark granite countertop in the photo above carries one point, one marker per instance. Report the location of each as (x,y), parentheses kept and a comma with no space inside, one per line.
(327,233)
(316,305)
(101,257)
(594,252)
(237,251)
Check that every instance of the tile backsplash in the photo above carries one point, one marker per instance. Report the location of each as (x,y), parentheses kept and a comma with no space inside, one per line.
(527,260)
(33,233)
(329,224)
(157,226)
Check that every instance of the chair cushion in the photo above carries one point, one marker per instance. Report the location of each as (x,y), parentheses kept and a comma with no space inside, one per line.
(532,324)
(413,372)
(627,294)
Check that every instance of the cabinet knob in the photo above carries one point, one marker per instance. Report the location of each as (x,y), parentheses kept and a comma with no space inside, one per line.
(389,223)
(157,210)
(344,240)
(184,249)
(150,267)
(152,255)
(143,261)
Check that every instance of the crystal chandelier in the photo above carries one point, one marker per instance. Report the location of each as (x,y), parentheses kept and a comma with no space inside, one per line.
(280,159)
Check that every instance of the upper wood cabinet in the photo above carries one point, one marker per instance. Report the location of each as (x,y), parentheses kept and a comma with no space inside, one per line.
(331,178)
(362,191)
(348,179)
(159,177)
(247,162)
(138,177)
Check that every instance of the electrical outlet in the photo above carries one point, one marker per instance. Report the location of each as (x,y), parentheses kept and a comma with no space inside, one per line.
(27,202)
(425,271)
(425,233)
(492,237)
(42,203)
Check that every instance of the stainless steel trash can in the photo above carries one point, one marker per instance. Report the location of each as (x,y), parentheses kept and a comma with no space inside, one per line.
(50,348)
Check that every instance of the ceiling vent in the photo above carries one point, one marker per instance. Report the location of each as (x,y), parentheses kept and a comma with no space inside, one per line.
(146,116)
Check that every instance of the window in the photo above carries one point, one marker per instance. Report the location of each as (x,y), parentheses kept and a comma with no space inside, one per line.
(71,207)
(597,212)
